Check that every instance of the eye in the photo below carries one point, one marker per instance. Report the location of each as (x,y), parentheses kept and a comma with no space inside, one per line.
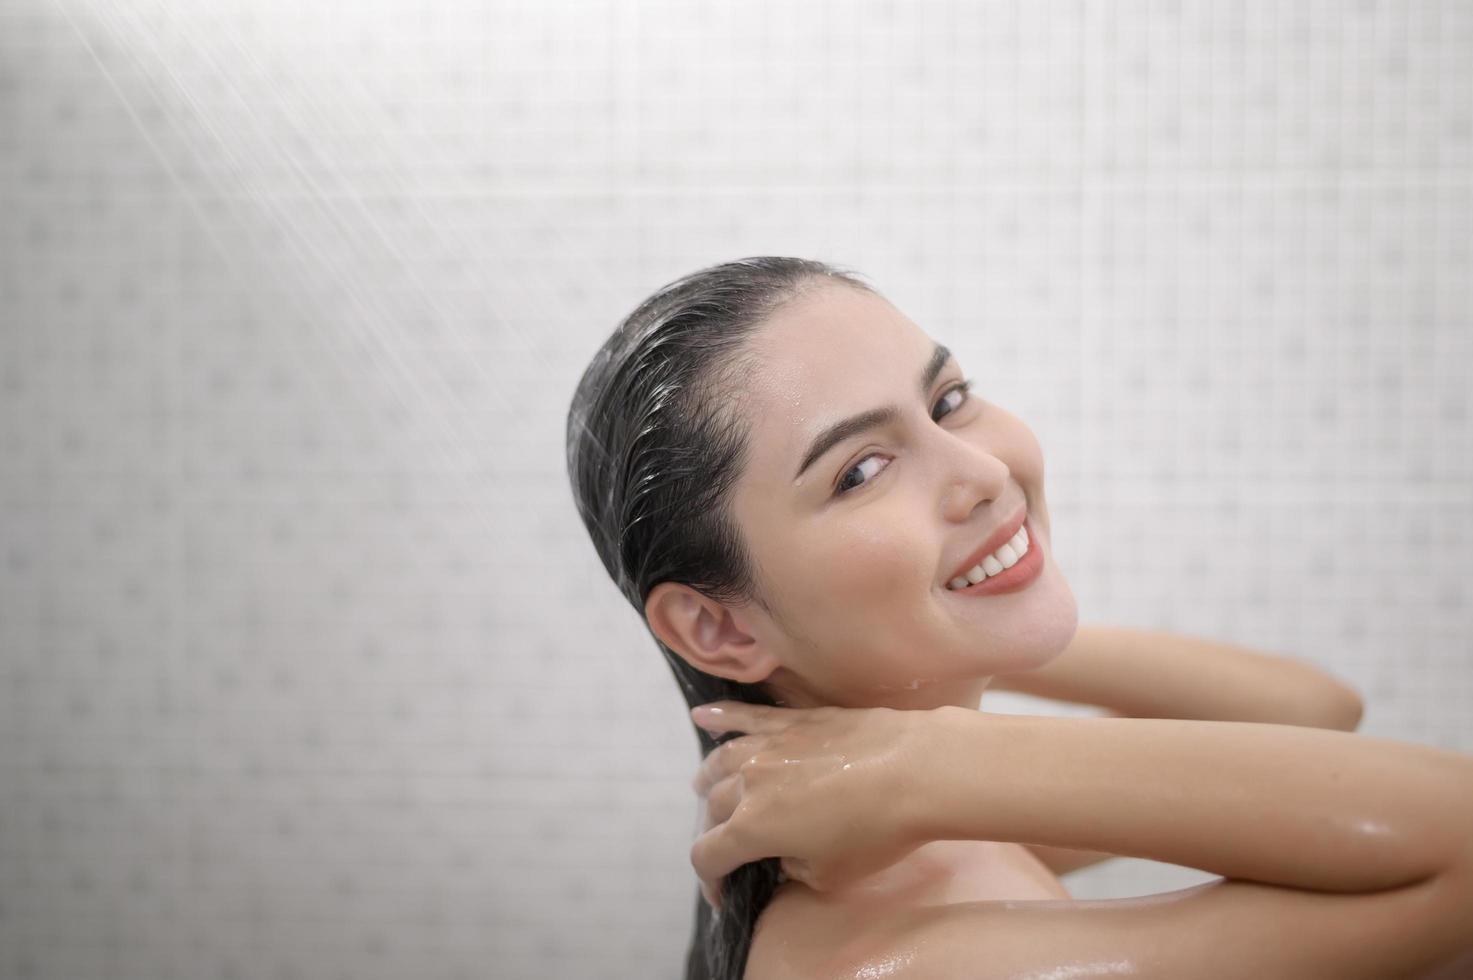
(962,388)
(962,391)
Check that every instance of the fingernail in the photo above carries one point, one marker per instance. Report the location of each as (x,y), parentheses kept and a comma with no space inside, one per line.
(705,712)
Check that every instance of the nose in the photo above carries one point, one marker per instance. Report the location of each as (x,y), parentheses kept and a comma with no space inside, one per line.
(972,475)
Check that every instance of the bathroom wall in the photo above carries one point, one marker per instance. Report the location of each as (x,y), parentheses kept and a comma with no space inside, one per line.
(307,667)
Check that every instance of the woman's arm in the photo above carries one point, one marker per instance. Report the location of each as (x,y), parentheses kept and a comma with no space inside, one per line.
(1139,673)
(1343,855)
(1279,804)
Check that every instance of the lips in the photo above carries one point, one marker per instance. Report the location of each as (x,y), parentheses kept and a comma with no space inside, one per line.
(996,540)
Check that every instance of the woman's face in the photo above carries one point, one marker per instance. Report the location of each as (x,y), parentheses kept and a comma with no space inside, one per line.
(855,552)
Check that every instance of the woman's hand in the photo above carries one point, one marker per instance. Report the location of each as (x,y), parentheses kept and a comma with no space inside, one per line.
(824,789)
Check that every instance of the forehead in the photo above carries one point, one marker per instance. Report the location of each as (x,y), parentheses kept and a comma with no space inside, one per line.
(826,355)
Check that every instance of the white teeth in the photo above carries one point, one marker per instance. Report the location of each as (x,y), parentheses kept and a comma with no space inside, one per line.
(1000,560)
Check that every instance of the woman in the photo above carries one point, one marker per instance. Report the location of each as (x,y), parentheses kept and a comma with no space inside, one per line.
(831,537)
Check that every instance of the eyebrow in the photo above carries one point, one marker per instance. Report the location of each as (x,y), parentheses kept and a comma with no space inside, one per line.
(875,417)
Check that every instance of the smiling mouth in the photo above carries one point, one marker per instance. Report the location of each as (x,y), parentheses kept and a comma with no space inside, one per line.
(994,543)
(1005,570)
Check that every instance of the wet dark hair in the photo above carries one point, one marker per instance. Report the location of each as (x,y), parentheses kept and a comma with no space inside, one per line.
(656,439)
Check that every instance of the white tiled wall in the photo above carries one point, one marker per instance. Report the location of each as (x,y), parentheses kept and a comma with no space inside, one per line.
(307,668)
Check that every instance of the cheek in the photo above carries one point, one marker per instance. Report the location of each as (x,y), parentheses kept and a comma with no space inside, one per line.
(872,567)
(871,605)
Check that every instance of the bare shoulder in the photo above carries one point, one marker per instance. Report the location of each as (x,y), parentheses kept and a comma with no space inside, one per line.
(810,934)
(1225,929)
(804,935)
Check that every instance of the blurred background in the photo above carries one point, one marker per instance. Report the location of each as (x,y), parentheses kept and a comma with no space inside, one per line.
(307,666)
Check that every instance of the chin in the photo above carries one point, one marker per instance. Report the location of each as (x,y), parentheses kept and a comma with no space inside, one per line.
(1045,626)
(1056,625)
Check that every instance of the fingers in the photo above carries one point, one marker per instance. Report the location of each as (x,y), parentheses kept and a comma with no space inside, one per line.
(719,850)
(722,802)
(713,898)
(722,761)
(716,853)
(738,716)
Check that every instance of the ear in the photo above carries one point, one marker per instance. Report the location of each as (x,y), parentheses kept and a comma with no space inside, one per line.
(707,634)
